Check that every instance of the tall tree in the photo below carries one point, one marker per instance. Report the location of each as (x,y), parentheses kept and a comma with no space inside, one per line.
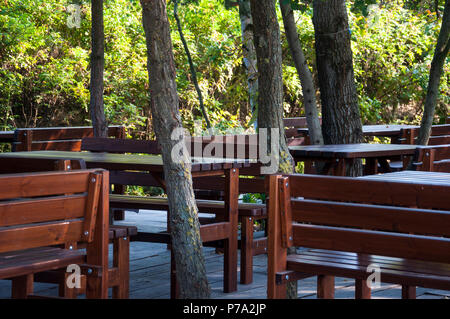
(270,83)
(437,64)
(97,69)
(270,78)
(306,79)
(341,122)
(184,224)
(249,53)
(191,65)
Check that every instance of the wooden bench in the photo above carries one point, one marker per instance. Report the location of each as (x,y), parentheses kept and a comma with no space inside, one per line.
(118,235)
(41,210)
(432,158)
(440,134)
(344,225)
(248,212)
(57,138)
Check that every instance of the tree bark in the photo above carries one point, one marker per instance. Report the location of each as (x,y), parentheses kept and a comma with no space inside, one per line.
(97,67)
(306,79)
(191,66)
(250,60)
(437,64)
(341,122)
(270,81)
(184,224)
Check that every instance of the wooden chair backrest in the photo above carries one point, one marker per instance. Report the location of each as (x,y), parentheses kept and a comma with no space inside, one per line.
(293,123)
(50,208)
(439,135)
(368,217)
(26,165)
(57,138)
(433,158)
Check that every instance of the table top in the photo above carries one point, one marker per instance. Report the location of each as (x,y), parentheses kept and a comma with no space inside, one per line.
(389,130)
(362,150)
(132,161)
(6,136)
(414,177)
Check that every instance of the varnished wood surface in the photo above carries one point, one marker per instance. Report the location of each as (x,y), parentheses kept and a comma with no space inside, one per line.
(387,130)
(6,136)
(131,161)
(361,150)
(414,177)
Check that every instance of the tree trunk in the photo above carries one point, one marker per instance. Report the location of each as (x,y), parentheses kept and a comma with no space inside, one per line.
(191,66)
(97,67)
(250,61)
(308,90)
(341,122)
(270,82)
(437,64)
(184,224)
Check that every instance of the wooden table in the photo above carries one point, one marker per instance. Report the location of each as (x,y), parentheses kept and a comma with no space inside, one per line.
(337,156)
(151,167)
(379,130)
(413,177)
(6,136)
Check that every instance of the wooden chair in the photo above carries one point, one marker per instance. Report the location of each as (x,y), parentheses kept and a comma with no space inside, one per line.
(57,138)
(439,135)
(432,158)
(118,235)
(41,210)
(346,225)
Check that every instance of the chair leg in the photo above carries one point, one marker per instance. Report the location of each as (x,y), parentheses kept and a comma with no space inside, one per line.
(325,287)
(362,291)
(408,292)
(121,260)
(22,286)
(246,250)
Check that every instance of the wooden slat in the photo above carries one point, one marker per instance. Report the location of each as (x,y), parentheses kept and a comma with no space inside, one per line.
(216,231)
(42,184)
(117,145)
(19,212)
(67,133)
(386,218)
(285,212)
(421,195)
(37,259)
(439,140)
(38,236)
(94,184)
(371,242)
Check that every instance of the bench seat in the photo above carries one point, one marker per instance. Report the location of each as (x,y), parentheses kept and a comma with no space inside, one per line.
(23,262)
(407,272)
(160,203)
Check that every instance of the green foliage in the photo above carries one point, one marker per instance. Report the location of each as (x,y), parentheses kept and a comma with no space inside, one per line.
(44,74)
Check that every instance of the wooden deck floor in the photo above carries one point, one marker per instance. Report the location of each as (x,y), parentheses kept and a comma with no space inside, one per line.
(149,272)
